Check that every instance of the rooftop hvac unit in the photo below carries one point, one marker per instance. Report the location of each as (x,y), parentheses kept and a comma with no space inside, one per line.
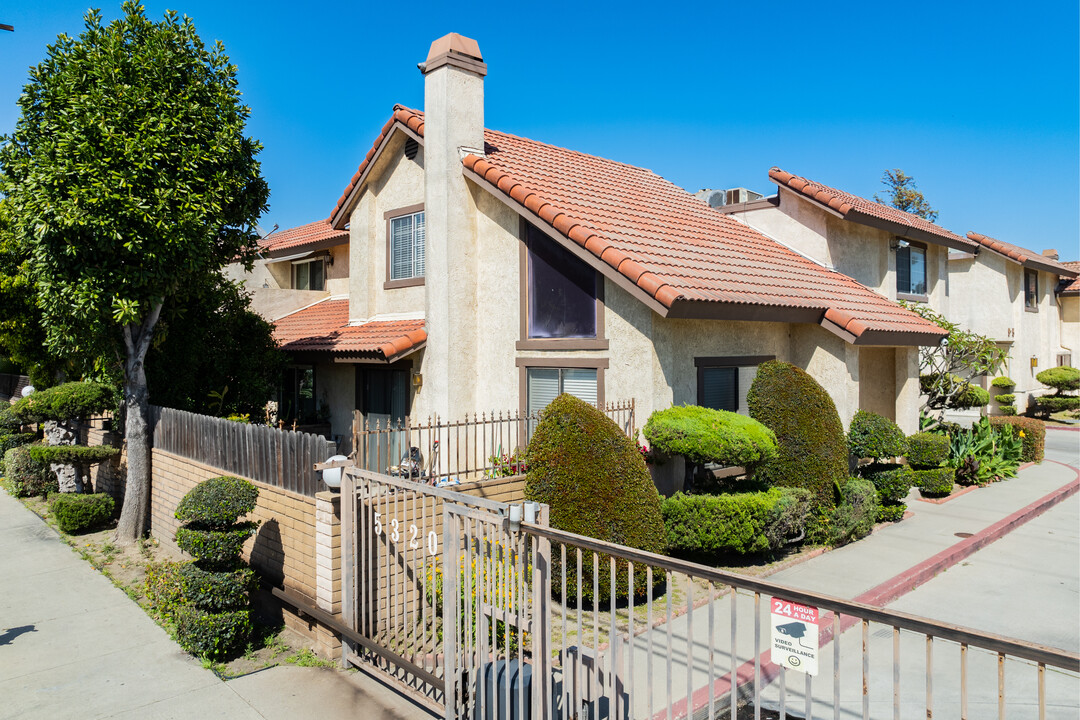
(741,195)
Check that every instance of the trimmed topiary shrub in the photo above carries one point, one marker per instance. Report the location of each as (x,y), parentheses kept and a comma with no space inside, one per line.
(1005,398)
(1046,405)
(213,618)
(1003,382)
(27,476)
(927,450)
(935,482)
(218,502)
(596,484)
(856,514)
(704,436)
(72,454)
(811,444)
(705,526)
(875,436)
(1007,409)
(62,403)
(79,513)
(1063,379)
(893,482)
(1032,434)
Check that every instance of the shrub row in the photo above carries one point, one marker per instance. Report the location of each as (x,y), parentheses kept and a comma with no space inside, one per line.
(76,513)
(1034,438)
(741,523)
(26,475)
(891,513)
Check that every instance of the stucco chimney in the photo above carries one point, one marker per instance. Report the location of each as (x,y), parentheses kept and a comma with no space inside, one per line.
(453,126)
(1052,254)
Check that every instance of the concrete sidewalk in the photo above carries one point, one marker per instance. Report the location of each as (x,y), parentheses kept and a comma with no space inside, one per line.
(72,645)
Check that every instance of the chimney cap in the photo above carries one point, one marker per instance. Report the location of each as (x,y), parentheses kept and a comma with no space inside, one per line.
(457,44)
(456,50)
(1052,254)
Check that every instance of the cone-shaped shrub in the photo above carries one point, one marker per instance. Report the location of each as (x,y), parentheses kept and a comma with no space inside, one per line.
(214,618)
(812,450)
(596,484)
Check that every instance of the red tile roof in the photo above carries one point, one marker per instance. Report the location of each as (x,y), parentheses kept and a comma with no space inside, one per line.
(868,212)
(324,327)
(1027,258)
(686,256)
(1072,287)
(319,233)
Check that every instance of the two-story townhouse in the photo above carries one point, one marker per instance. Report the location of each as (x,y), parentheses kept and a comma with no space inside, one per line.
(1008,293)
(492,271)
(1068,295)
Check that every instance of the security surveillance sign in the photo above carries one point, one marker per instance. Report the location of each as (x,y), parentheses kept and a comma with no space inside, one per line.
(794,636)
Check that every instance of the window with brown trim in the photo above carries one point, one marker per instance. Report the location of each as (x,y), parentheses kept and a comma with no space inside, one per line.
(562,297)
(405,246)
(1031,290)
(544,379)
(718,380)
(911,269)
(309,274)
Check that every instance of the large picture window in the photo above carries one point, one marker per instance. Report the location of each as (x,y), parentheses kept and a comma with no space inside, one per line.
(407,246)
(561,289)
(911,269)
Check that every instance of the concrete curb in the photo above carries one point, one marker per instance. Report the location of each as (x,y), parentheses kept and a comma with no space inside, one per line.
(883,594)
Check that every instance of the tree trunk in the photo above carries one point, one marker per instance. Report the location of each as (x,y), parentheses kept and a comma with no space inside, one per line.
(133,515)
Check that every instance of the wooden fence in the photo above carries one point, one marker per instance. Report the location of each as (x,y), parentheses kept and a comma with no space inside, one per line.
(479,446)
(282,458)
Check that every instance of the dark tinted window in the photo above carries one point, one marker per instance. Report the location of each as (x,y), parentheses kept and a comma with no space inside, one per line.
(562,291)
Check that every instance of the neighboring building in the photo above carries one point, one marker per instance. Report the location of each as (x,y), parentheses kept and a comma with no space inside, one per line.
(1007,292)
(488,271)
(1068,296)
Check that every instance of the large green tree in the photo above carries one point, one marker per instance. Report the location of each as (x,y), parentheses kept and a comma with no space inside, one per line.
(130,177)
(903,195)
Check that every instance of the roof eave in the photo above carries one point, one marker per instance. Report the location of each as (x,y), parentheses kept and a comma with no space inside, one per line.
(911,233)
(341,213)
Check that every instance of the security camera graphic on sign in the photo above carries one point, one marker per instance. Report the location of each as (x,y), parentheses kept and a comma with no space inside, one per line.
(794,630)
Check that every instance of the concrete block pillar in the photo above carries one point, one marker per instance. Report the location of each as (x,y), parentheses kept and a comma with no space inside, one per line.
(328,569)
(453,127)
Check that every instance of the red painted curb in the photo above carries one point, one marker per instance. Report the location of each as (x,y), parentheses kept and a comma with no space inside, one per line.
(883,594)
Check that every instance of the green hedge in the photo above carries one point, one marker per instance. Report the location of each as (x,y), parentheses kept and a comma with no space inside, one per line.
(215,548)
(216,591)
(72,454)
(875,436)
(935,482)
(704,435)
(8,421)
(855,515)
(927,450)
(26,475)
(1005,398)
(1034,439)
(893,482)
(69,401)
(217,502)
(9,440)
(741,523)
(812,446)
(1003,382)
(79,513)
(596,484)
(891,513)
(211,634)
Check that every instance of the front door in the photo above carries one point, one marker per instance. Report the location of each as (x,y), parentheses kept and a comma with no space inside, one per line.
(382,396)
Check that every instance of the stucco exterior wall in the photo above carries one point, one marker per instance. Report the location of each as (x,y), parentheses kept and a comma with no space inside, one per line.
(1070,326)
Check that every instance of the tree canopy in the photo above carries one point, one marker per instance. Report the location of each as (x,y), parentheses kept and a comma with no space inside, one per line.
(129,178)
(903,195)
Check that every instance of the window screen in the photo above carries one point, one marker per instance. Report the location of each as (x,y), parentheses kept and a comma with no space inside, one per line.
(407,246)
(719,388)
(545,384)
(562,291)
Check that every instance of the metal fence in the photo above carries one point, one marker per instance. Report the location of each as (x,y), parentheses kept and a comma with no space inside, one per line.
(282,458)
(480,445)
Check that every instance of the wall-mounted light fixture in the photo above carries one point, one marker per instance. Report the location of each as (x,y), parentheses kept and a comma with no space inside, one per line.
(897,243)
(1034,362)
(417,380)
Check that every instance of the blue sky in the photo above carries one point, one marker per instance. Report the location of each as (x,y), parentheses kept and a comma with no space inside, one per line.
(979,101)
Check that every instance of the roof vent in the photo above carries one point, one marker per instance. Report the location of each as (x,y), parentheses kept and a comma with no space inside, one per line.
(715,198)
(741,195)
(411,147)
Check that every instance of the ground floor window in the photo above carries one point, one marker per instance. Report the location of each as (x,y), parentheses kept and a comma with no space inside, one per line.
(544,384)
(718,380)
(297,400)
(382,393)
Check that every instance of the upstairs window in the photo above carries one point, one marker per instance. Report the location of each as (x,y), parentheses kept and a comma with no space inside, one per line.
(910,269)
(309,274)
(407,246)
(1031,290)
(562,291)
